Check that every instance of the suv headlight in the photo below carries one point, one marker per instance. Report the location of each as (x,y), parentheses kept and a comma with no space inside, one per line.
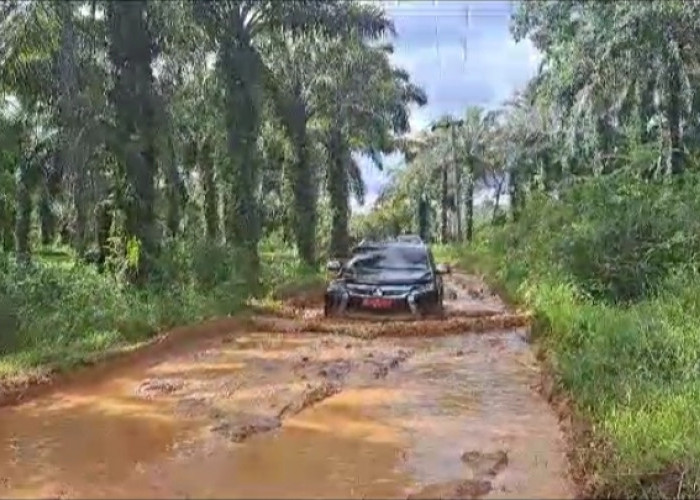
(425,288)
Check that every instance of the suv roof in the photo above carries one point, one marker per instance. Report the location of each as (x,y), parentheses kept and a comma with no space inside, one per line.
(409,238)
(405,241)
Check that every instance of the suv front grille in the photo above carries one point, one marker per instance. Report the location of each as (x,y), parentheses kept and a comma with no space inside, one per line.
(369,290)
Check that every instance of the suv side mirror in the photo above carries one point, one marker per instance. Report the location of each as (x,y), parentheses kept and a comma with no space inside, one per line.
(333,266)
(443,269)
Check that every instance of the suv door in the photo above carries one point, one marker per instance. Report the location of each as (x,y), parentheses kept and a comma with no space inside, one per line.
(436,277)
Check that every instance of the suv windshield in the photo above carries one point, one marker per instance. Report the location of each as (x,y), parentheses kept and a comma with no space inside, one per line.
(392,258)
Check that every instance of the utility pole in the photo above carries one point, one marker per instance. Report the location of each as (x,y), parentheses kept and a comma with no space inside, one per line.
(458,183)
(443,202)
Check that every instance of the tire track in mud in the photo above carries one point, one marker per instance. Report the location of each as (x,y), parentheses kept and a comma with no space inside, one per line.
(304,316)
(335,374)
(484,468)
(295,382)
(299,316)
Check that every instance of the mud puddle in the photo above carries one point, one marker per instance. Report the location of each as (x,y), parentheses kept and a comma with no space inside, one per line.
(280,414)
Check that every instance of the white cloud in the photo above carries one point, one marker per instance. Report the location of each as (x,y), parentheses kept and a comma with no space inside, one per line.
(457,64)
(419,120)
(491,72)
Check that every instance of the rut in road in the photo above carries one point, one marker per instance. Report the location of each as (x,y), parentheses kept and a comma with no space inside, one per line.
(295,406)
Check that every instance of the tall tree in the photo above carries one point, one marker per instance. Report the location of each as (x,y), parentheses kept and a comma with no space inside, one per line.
(298,70)
(365,105)
(131,53)
(70,158)
(237,27)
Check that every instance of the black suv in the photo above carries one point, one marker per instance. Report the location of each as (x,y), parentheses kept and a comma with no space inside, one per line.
(387,278)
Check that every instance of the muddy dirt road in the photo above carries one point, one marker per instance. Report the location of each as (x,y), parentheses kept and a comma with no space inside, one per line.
(280,409)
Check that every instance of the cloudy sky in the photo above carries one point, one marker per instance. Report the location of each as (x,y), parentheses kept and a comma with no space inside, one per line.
(461,53)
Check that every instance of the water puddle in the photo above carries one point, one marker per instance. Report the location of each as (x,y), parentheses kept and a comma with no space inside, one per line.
(263,415)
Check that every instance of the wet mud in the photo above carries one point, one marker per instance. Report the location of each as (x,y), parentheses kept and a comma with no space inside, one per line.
(276,407)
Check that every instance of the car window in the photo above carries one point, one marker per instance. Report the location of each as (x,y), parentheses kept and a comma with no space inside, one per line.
(431,259)
(397,257)
(410,238)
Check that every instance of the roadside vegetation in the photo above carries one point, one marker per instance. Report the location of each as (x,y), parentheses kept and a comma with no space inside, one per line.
(621,340)
(591,222)
(163,162)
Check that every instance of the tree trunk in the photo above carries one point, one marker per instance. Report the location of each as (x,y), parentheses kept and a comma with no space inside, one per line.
(423,218)
(140,214)
(673,114)
(338,192)
(69,154)
(132,99)
(205,163)
(444,205)
(458,186)
(229,213)
(175,191)
(240,67)
(515,193)
(104,214)
(47,220)
(470,201)
(7,223)
(303,184)
(499,188)
(645,109)
(23,218)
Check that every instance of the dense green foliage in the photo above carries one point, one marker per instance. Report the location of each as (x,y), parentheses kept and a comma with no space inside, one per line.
(631,370)
(60,312)
(181,155)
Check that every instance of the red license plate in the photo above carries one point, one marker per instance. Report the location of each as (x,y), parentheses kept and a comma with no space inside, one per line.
(378,303)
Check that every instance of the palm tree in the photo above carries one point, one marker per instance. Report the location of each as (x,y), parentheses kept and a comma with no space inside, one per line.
(364,108)
(131,54)
(71,160)
(474,136)
(607,62)
(297,72)
(27,144)
(448,125)
(239,27)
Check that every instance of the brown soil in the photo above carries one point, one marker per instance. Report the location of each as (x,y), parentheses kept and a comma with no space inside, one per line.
(17,389)
(287,404)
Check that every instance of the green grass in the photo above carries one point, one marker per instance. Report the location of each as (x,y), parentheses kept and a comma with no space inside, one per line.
(69,313)
(632,370)
(60,313)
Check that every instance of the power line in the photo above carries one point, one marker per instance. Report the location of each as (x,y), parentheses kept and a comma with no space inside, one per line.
(450,6)
(442,13)
(451,10)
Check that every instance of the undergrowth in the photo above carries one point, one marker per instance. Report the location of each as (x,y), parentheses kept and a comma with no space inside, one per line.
(58,311)
(609,268)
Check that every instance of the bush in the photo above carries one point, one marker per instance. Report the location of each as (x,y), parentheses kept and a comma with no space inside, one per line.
(616,238)
(609,268)
(57,312)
